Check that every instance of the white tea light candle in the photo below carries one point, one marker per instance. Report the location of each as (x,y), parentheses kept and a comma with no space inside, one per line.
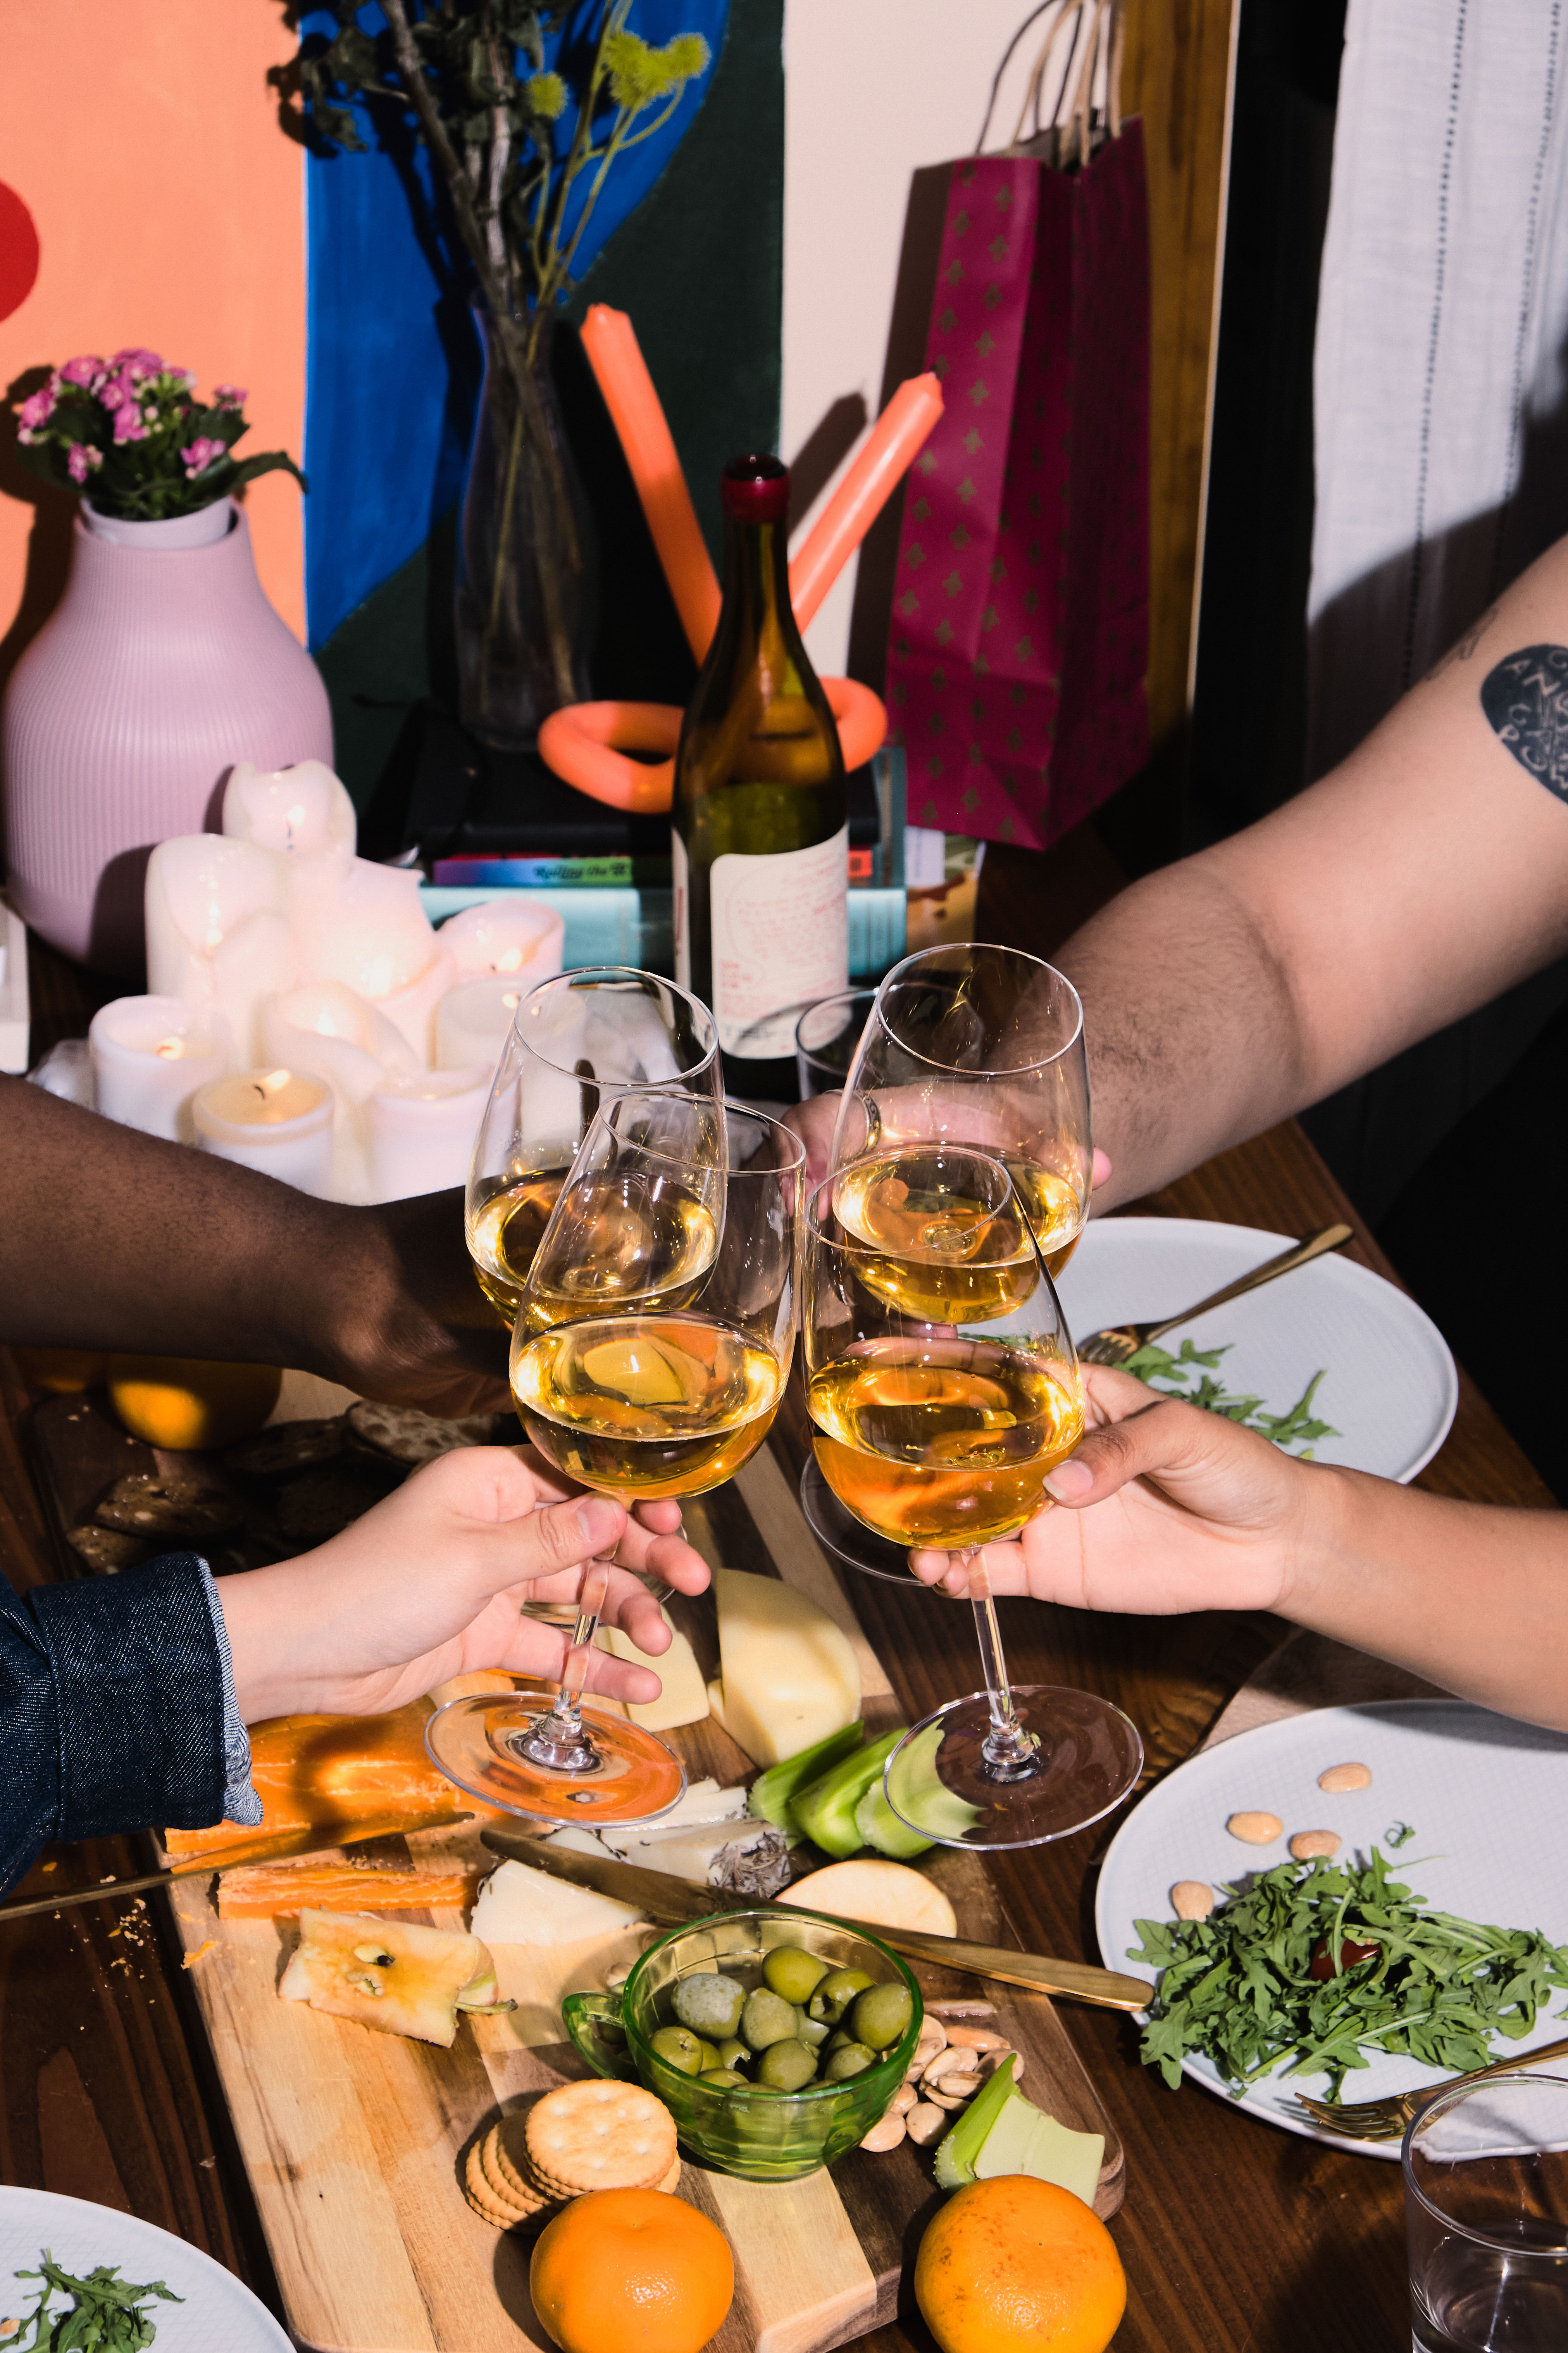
(277,1121)
(421,1131)
(149,1055)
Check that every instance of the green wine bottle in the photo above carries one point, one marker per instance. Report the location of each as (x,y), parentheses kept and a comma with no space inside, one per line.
(761,842)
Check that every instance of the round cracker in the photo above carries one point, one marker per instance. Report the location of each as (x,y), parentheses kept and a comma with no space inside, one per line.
(599,2135)
(406,1435)
(286,1446)
(508,2188)
(500,2213)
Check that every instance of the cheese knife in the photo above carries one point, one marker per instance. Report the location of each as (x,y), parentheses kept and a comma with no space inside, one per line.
(669,1901)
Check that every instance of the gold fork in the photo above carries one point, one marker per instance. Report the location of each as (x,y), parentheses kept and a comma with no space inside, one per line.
(1386,2119)
(1120,1341)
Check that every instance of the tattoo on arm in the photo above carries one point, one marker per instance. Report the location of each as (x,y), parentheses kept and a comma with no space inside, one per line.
(1525,700)
(1465,647)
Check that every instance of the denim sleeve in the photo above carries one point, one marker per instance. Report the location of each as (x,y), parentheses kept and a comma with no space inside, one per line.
(111,1697)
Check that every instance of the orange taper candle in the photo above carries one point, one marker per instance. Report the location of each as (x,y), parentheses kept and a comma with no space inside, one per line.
(645,436)
(867,485)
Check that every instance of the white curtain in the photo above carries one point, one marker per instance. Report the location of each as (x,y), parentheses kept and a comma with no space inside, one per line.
(1441,369)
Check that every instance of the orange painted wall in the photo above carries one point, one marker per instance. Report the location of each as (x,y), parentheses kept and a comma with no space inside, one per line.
(170,211)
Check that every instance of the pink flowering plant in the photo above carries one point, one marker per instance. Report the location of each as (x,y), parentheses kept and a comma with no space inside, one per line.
(131,432)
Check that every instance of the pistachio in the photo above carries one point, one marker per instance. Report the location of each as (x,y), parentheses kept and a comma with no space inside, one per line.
(1307,1843)
(616,1974)
(1191,1899)
(363,1982)
(376,1953)
(952,2062)
(952,2092)
(1345,1776)
(885,2134)
(1255,1830)
(903,2099)
(975,2038)
(925,2123)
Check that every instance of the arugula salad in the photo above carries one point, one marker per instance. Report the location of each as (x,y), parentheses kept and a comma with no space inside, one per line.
(1172,1375)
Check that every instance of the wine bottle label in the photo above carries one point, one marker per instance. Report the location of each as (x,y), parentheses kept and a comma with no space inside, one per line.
(781,939)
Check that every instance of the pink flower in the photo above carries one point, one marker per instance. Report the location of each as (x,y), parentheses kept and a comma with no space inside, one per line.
(82,371)
(113,394)
(228,396)
(135,363)
(37,410)
(127,425)
(200,455)
(82,461)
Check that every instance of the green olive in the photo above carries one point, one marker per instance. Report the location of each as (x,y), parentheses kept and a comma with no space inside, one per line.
(722,2079)
(733,2052)
(710,2005)
(852,2060)
(793,1972)
(767,2019)
(837,2040)
(678,2047)
(710,2057)
(833,1997)
(808,2029)
(785,2066)
(881,2014)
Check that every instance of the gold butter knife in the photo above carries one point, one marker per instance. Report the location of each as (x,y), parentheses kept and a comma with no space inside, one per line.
(228,1858)
(669,1901)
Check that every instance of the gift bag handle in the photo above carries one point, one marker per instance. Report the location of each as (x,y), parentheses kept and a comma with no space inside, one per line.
(1099,27)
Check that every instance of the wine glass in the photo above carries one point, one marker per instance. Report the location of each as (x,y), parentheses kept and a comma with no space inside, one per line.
(577,1042)
(942,1386)
(984,1046)
(649,1358)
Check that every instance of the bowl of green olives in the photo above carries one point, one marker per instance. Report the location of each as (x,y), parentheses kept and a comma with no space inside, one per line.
(775,2038)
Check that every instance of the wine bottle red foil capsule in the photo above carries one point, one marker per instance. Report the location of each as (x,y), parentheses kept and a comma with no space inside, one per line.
(755,489)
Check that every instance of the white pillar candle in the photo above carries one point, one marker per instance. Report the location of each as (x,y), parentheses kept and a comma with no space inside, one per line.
(513,935)
(330,1030)
(149,1055)
(412,1009)
(301,812)
(421,1131)
(472,1021)
(372,935)
(217,935)
(277,1121)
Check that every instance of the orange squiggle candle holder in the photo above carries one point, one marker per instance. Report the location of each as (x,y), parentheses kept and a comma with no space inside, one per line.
(586,742)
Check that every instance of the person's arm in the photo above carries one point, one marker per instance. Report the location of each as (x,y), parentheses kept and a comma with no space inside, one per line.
(110,1239)
(1425,874)
(1164,1508)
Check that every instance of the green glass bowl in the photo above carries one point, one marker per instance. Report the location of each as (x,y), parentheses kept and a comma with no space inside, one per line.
(761,2136)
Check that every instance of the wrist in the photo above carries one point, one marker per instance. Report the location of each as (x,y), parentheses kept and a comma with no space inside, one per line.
(1324,1545)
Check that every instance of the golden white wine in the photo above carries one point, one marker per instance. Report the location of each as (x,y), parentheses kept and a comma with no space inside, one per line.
(937,1248)
(622,1240)
(946,1443)
(505,1232)
(1053,1209)
(641,1405)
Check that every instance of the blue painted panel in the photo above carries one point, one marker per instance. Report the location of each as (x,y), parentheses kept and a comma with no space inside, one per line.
(393,364)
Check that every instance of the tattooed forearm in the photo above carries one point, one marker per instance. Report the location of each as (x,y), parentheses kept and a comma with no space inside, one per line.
(1525,700)
(1466,645)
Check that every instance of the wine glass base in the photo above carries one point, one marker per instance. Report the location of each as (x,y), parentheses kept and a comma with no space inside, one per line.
(847,1539)
(479,1742)
(942,1782)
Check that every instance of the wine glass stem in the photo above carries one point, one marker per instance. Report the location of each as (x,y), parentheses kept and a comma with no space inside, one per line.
(1006,1746)
(567,1711)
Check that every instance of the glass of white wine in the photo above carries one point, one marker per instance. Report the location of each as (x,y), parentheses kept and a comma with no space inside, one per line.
(648,1358)
(577,1042)
(979,1045)
(942,1386)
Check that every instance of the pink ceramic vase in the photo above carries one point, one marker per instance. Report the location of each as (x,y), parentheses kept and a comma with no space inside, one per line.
(162,665)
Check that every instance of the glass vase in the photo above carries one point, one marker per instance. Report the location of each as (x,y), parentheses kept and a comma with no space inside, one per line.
(523,602)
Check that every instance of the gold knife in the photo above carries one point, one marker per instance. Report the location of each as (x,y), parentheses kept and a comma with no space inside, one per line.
(669,1901)
(296,1843)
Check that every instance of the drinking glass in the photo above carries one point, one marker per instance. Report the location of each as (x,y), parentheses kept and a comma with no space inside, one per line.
(577,1042)
(1486,2217)
(649,1358)
(979,1045)
(826,1039)
(942,1386)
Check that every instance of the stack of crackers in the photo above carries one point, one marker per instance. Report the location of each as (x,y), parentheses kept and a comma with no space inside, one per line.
(581,2137)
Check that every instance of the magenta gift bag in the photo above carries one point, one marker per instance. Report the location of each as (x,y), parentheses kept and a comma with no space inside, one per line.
(1020,625)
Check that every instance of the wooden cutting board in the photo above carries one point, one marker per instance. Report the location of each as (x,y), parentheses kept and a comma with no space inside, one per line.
(354,2141)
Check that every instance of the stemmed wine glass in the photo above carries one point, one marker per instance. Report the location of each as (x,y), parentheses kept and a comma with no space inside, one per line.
(942,1386)
(651,1348)
(577,1042)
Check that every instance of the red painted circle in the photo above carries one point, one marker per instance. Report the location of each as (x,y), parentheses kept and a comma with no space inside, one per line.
(18,251)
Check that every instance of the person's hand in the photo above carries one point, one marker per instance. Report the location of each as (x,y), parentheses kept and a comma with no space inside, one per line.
(399,1315)
(1162,1508)
(430,1584)
(815,1120)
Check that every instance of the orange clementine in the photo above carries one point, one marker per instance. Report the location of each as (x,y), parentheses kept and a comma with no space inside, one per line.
(189,1405)
(631,2271)
(62,1371)
(1017,2263)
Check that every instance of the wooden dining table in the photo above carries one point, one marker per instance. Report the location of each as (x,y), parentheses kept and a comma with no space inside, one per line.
(1234,2236)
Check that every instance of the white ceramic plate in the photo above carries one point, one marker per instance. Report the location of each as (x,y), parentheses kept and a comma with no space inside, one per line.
(1485,1796)
(218,2310)
(1390,1389)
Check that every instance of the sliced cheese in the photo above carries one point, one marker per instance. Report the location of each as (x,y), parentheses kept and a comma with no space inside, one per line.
(683,1699)
(888,1894)
(520,1906)
(789,1674)
(386,1974)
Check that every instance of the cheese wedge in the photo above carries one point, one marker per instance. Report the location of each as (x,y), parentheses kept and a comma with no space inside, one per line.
(789,1674)
(280,1891)
(330,1774)
(520,1906)
(387,1975)
(888,1894)
(683,1700)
